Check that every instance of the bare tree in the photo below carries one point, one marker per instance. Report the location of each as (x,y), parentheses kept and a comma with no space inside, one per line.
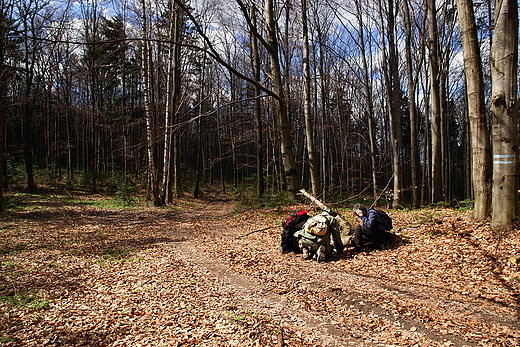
(412,106)
(436,136)
(147,90)
(390,69)
(367,84)
(480,141)
(171,178)
(255,51)
(504,113)
(289,166)
(5,28)
(30,31)
(309,117)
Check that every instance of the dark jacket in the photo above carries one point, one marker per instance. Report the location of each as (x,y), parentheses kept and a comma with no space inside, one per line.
(373,221)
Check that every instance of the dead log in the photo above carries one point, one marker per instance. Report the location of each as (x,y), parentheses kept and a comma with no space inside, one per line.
(315,200)
(346,229)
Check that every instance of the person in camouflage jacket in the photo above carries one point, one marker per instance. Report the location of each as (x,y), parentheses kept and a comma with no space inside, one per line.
(320,247)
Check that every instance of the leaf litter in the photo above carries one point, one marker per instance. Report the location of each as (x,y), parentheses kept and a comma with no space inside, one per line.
(74,275)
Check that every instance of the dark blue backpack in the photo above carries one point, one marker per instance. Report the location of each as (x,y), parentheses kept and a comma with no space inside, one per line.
(387,221)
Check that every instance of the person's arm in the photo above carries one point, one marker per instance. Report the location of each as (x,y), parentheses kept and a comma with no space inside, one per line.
(336,235)
(369,220)
(360,214)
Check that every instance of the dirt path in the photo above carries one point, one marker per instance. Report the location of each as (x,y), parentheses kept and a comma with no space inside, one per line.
(72,274)
(339,305)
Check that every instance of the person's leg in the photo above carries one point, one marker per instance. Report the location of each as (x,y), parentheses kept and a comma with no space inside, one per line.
(308,248)
(321,254)
(361,238)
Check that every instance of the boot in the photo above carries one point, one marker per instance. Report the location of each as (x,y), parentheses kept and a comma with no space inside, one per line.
(306,254)
(320,254)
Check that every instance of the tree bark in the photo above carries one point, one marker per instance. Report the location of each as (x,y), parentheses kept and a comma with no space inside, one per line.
(169,108)
(3,91)
(369,100)
(504,113)
(147,90)
(479,131)
(29,59)
(309,117)
(414,133)
(394,108)
(289,166)
(260,184)
(436,138)
(174,188)
(392,96)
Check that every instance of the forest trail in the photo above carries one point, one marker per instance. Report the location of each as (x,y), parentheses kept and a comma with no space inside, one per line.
(187,276)
(340,307)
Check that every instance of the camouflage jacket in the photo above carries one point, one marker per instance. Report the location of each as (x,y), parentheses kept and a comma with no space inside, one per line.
(325,239)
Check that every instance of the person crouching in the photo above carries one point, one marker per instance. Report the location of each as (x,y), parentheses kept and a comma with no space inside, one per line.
(314,239)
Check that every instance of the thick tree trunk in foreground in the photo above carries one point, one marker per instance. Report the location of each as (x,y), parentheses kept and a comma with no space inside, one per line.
(2,110)
(480,141)
(504,113)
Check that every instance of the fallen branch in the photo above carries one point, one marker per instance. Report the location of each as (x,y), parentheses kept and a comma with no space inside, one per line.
(315,200)
(345,227)
(255,231)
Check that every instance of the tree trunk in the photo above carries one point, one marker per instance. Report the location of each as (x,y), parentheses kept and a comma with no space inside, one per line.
(257,109)
(4,39)
(174,189)
(147,90)
(414,133)
(202,95)
(27,144)
(504,113)
(3,90)
(309,117)
(289,166)
(392,93)
(177,172)
(169,108)
(436,138)
(29,70)
(479,131)
(322,104)
(395,109)
(369,100)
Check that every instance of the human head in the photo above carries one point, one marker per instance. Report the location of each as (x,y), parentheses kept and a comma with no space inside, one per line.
(359,207)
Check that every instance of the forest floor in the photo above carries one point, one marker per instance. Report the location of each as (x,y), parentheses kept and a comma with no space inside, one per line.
(72,274)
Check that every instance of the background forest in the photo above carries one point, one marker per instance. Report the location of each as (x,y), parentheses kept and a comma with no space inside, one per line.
(344,98)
